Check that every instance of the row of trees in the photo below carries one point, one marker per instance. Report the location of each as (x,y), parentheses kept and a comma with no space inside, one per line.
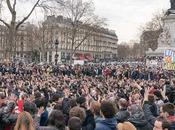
(81,14)
(125,50)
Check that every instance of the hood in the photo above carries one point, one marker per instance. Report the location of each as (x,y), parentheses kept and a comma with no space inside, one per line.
(122,116)
(138,120)
(111,123)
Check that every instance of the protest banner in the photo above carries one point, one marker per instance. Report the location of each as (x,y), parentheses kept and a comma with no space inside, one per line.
(169,60)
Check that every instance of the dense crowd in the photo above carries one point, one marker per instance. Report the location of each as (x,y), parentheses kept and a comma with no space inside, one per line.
(88,97)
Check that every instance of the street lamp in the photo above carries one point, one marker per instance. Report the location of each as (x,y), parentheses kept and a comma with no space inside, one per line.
(56,55)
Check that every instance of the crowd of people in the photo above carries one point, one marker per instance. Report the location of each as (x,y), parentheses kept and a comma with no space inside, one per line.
(88,97)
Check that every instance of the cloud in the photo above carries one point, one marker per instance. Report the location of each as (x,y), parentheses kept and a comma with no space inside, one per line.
(126,16)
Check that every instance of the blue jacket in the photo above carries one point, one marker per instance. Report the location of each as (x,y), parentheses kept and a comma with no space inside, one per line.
(44,118)
(106,124)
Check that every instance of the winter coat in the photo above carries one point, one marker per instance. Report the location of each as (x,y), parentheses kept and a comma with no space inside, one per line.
(89,123)
(122,115)
(148,114)
(44,118)
(106,124)
(139,121)
(7,118)
(97,118)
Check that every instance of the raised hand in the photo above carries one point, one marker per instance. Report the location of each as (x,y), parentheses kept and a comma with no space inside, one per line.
(40,111)
(147,90)
(163,92)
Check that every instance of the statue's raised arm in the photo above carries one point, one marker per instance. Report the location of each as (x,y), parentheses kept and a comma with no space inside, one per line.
(172,4)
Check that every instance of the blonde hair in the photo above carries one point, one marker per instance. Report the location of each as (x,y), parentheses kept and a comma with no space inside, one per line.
(126,126)
(95,107)
(24,121)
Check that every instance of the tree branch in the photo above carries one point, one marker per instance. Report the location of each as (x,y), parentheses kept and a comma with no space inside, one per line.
(85,37)
(9,6)
(25,18)
(14,5)
(5,23)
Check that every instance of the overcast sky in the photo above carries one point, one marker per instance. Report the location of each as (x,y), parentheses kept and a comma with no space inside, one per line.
(126,16)
(123,16)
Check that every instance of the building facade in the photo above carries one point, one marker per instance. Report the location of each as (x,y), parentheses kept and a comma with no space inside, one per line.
(38,44)
(100,45)
(25,46)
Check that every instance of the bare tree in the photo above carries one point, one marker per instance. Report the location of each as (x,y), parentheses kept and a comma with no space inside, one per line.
(151,32)
(123,50)
(13,26)
(83,22)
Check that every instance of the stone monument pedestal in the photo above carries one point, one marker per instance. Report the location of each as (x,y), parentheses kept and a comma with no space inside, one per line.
(166,39)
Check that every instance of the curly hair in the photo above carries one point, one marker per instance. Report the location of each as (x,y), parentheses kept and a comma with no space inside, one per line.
(78,112)
(56,119)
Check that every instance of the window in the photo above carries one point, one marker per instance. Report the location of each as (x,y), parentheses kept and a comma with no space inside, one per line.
(50,57)
(63,55)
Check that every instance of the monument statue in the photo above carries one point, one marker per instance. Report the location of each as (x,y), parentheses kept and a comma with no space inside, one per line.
(172,4)
(172,8)
(164,38)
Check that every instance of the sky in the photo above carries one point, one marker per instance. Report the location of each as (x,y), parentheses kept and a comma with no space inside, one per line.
(126,16)
(123,16)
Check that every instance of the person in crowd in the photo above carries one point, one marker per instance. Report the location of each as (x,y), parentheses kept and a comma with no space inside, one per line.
(89,122)
(109,121)
(25,122)
(74,123)
(95,108)
(138,119)
(89,92)
(168,111)
(154,108)
(126,126)
(8,117)
(55,121)
(41,104)
(147,106)
(161,123)
(123,114)
(80,113)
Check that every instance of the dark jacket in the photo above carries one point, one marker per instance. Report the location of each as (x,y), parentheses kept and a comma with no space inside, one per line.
(148,114)
(98,118)
(122,115)
(139,121)
(47,128)
(7,118)
(89,123)
(106,124)
(44,118)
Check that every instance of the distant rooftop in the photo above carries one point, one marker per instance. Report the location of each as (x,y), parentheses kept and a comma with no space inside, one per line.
(62,19)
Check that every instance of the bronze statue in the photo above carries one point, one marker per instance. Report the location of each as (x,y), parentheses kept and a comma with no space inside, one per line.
(172,4)
(172,9)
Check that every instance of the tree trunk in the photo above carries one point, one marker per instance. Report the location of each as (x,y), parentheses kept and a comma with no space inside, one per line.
(11,47)
(71,54)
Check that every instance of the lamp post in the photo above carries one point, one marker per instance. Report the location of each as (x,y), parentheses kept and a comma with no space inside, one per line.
(56,55)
